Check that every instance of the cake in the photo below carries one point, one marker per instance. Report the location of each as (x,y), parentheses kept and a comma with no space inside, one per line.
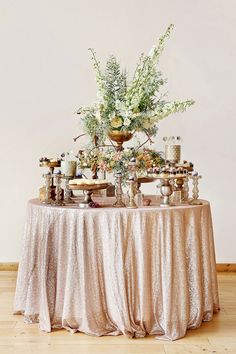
(86,181)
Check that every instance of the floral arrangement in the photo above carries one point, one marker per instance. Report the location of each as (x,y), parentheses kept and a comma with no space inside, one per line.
(110,160)
(135,106)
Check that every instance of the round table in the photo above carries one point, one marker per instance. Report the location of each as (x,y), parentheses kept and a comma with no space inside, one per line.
(110,271)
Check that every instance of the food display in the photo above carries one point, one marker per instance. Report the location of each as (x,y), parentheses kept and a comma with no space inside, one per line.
(86,182)
(173,177)
(88,186)
(49,162)
(169,171)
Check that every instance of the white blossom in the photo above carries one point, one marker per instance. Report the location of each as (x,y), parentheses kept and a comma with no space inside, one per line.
(127,122)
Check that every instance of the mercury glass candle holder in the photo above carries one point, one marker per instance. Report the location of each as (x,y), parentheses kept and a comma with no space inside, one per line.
(186,188)
(118,191)
(195,192)
(58,198)
(180,186)
(48,183)
(132,166)
(166,191)
(68,192)
(132,193)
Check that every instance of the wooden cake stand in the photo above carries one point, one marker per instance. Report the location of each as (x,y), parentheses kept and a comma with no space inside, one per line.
(141,180)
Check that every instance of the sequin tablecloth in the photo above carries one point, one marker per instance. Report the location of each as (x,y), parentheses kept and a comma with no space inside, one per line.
(110,271)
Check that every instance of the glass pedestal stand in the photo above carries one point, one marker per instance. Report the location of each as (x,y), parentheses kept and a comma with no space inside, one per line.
(179,186)
(186,189)
(58,198)
(166,188)
(195,191)
(141,180)
(48,185)
(166,191)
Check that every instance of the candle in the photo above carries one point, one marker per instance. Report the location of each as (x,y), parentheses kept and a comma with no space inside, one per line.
(68,168)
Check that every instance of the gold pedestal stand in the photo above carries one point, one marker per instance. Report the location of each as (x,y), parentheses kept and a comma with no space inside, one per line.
(88,191)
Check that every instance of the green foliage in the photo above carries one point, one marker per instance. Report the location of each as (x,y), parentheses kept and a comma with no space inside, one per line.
(135,106)
(113,161)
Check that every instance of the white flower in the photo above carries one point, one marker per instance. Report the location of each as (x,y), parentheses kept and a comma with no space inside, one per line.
(127,122)
(112,115)
(117,103)
(98,116)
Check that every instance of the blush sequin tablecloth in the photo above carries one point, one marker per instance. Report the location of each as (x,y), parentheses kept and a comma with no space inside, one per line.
(110,271)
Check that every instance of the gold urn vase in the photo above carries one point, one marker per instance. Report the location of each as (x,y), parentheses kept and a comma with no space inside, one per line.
(120,136)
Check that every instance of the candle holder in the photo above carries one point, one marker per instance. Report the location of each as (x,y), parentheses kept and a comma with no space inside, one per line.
(118,191)
(48,184)
(166,191)
(172,149)
(132,193)
(132,166)
(68,168)
(179,186)
(68,192)
(172,153)
(58,199)
(195,191)
(167,188)
(186,189)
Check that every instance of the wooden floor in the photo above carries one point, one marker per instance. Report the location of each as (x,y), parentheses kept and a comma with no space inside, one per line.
(217,336)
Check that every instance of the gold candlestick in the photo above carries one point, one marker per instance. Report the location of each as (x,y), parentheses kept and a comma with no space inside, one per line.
(179,186)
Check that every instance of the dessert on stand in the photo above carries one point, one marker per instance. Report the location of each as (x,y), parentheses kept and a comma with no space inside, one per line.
(131,168)
(47,193)
(88,186)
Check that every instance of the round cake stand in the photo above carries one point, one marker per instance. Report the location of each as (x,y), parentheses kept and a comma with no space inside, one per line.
(50,165)
(141,180)
(88,191)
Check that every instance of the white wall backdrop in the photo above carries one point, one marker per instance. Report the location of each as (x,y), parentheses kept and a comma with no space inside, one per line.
(46,73)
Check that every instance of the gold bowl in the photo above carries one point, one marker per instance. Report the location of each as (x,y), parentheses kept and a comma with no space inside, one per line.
(119,136)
